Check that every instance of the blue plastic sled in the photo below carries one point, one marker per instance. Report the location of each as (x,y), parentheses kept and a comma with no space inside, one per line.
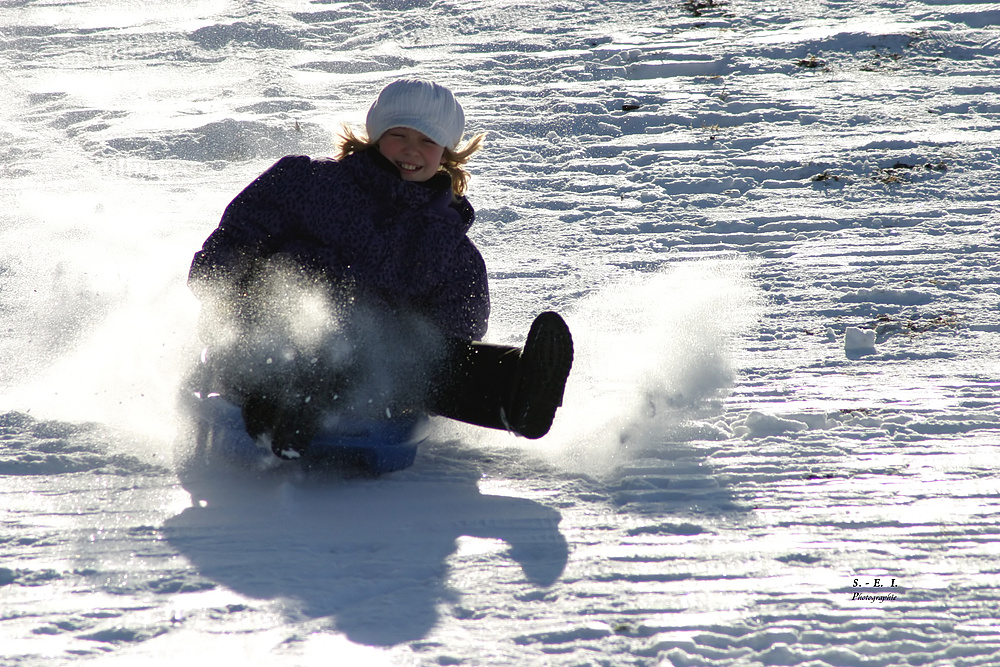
(376,446)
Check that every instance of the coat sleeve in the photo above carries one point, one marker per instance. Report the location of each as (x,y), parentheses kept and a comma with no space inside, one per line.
(250,228)
(462,304)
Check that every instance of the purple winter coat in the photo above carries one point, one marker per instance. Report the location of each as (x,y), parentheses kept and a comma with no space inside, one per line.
(355,221)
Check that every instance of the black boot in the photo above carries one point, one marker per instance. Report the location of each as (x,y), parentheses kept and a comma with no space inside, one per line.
(259,414)
(541,376)
(290,425)
(504,387)
(291,442)
(298,422)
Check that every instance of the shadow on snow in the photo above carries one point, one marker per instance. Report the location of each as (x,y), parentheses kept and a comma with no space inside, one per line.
(370,554)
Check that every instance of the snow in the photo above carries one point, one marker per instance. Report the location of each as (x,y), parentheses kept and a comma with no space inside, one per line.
(859,341)
(772,228)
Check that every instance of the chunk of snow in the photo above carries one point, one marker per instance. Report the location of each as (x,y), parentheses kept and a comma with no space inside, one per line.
(760,425)
(893,297)
(858,341)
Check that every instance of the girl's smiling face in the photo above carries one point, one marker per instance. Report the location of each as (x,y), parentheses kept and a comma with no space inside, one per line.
(414,154)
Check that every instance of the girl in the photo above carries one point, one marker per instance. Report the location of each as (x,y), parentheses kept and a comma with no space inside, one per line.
(351,284)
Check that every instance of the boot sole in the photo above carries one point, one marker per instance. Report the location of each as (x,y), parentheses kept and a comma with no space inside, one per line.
(542,372)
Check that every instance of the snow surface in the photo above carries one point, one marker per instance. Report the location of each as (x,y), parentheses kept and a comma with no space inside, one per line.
(714,193)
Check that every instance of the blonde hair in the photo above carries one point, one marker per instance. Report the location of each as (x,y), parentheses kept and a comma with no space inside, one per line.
(349,141)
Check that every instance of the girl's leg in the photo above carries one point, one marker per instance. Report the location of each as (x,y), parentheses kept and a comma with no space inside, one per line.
(503,387)
(475,384)
(275,393)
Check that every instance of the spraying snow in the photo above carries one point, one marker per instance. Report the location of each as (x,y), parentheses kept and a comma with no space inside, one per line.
(656,354)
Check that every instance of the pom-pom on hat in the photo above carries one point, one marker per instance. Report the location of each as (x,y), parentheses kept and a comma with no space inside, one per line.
(419,105)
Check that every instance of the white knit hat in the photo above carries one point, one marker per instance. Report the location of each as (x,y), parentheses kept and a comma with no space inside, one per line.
(419,105)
